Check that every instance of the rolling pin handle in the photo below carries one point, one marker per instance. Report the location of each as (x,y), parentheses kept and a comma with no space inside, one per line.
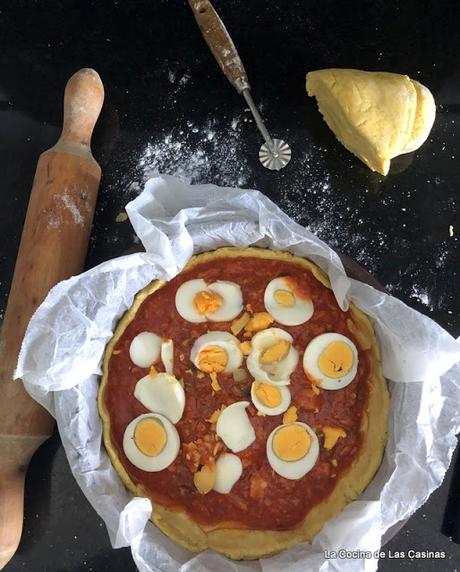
(83,99)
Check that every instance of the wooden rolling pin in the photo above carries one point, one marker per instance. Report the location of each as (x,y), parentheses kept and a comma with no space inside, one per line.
(53,247)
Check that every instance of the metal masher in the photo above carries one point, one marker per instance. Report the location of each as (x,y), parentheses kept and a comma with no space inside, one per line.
(274,154)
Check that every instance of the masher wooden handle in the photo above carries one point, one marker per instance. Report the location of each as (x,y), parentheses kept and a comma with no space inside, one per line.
(220,43)
(53,247)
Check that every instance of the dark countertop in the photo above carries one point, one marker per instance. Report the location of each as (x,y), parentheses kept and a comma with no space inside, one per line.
(169,108)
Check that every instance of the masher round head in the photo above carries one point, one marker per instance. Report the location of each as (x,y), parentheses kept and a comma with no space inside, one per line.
(276,156)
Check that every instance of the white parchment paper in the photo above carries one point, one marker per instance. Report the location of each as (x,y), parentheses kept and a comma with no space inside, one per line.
(60,362)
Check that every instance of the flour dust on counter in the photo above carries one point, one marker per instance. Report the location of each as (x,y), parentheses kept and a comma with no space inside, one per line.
(312,199)
(211,150)
(421,295)
(196,152)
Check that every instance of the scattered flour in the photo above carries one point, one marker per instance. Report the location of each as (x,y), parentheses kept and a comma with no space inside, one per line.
(312,200)
(421,295)
(197,154)
(72,208)
(177,77)
(54,222)
(184,79)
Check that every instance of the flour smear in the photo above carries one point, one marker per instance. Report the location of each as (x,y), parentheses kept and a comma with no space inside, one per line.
(194,151)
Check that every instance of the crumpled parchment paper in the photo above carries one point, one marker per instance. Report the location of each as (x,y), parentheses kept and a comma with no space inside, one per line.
(60,362)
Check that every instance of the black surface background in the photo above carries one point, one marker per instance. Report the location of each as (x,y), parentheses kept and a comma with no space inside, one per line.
(397,227)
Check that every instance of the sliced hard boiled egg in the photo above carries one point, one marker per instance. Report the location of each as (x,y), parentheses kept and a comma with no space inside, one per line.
(217,352)
(161,394)
(167,355)
(198,302)
(145,349)
(292,450)
(151,442)
(229,469)
(273,357)
(270,399)
(288,306)
(234,427)
(331,360)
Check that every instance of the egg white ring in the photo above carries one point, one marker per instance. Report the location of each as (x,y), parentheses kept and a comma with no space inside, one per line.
(145,348)
(185,296)
(281,408)
(295,315)
(167,355)
(162,394)
(233,418)
(311,356)
(293,470)
(229,469)
(266,338)
(232,298)
(145,462)
(229,343)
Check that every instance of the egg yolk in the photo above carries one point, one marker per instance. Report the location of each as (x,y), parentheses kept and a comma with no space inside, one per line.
(212,359)
(284,298)
(268,395)
(290,416)
(150,437)
(275,353)
(245,348)
(207,302)
(214,382)
(205,478)
(332,435)
(291,443)
(336,359)
(260,321)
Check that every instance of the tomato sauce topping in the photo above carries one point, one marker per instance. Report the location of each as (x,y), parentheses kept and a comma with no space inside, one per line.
(260,499)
